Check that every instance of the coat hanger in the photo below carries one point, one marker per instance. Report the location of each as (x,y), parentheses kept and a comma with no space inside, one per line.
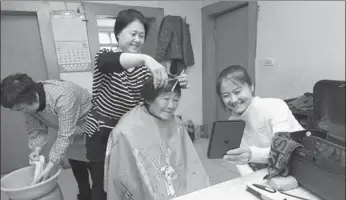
(186,22)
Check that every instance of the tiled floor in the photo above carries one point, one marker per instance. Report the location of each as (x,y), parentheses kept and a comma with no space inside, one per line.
(218,170)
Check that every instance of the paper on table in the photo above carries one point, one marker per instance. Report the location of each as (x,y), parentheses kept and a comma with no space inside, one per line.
(267,195)
(277,195)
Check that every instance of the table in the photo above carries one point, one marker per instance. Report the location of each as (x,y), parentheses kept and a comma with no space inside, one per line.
(236,189)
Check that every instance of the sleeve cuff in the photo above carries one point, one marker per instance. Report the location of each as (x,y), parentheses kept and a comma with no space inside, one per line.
(259,155)
(55,162)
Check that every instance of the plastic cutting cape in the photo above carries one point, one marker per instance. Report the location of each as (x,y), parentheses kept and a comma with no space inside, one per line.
(151,159)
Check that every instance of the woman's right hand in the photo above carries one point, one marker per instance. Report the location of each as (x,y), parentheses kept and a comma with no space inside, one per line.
(158,71)
(239,156)
(34,155)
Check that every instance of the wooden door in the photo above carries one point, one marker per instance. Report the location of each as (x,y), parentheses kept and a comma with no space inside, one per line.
(231,30)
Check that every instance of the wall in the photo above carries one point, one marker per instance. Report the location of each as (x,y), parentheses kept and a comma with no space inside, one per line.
(306,38)
(308,41)
(191,101)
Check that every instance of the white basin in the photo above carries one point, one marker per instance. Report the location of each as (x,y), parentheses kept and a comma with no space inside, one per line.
(17,184)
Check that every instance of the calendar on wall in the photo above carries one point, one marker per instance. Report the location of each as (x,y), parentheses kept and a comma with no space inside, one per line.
(71,43)
(73,56)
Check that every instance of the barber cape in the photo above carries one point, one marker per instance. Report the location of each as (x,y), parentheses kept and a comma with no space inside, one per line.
(151,159)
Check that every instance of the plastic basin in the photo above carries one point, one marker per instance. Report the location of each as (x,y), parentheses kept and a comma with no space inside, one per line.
(17,184)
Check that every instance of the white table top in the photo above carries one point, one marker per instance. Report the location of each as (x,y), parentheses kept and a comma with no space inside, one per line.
(236,189)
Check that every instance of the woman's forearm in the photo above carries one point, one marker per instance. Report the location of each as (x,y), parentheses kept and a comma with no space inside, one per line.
(130,60)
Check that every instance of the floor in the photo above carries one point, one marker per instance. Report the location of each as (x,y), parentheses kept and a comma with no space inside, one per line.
(218,170)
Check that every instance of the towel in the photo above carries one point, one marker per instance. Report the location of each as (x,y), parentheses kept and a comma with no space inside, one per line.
(39,165)
(280,153)
(303,103)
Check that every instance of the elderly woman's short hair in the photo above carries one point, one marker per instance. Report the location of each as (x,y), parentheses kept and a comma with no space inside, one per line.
(150,93)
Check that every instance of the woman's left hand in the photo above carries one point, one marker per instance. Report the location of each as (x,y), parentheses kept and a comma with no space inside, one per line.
(183,81)
(45,173)
(239,156)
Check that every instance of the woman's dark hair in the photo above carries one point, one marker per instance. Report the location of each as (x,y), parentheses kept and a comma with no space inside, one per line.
(17,89)
(150,93)
(234,73)
(125,17)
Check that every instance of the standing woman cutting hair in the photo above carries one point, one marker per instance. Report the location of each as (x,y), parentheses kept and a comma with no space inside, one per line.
(117,83)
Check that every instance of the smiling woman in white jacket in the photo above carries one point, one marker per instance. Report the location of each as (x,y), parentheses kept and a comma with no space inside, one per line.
(263,118)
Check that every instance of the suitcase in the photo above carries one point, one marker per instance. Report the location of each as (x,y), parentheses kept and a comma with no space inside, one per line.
(320,165)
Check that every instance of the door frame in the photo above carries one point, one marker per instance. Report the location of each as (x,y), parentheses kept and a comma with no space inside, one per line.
(209,15)
(93,9)
(42,11)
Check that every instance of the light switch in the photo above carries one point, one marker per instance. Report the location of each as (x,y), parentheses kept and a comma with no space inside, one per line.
(269,62)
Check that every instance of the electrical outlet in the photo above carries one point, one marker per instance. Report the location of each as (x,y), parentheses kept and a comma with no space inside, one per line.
(269,62)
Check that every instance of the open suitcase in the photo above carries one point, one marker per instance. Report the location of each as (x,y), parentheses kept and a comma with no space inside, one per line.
(320,165)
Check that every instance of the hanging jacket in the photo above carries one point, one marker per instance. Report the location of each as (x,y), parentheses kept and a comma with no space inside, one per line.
(174,44)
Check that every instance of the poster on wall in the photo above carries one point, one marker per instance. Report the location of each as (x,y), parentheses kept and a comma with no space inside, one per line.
(71,43)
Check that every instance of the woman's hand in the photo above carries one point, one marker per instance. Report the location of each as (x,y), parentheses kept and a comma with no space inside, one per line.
(239,156)
(183,81)
(34,155)
(158,71)
(45,173)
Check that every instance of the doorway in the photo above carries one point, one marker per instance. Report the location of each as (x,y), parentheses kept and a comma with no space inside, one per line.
(229,38)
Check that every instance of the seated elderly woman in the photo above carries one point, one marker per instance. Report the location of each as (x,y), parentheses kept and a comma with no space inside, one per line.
(150,154)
